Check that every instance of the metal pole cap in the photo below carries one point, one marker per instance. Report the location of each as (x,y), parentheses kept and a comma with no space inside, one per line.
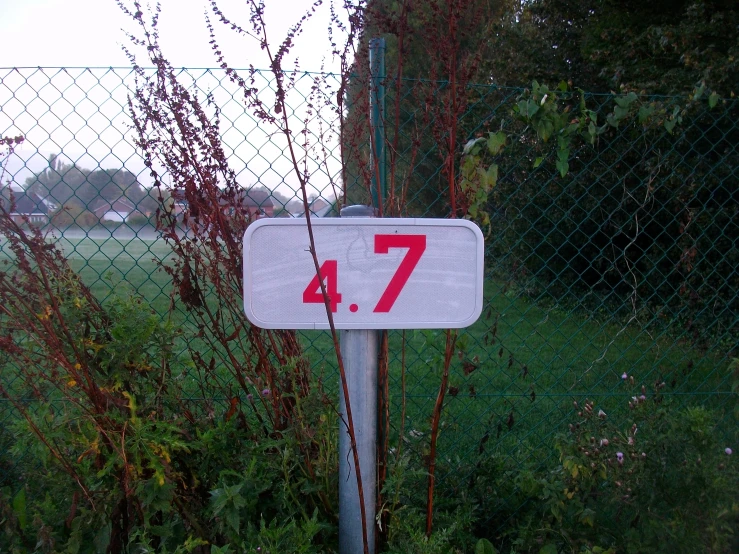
(358,210)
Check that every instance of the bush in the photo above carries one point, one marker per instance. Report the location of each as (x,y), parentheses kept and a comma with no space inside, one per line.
(71,215)
(636,199)
(654,479)
(149,473)
(121,445)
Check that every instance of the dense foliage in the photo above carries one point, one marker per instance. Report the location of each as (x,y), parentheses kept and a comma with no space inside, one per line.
(660,47)
(617,197)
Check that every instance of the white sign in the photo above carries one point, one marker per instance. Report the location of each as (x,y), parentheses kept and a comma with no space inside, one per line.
(379,273)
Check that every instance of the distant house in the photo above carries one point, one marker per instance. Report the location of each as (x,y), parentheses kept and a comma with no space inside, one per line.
(320,207)
(256,202)
(27,206)
(118,211)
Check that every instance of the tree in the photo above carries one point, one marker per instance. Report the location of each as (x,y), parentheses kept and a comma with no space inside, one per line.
(78,189)
(433,51)
(659,47)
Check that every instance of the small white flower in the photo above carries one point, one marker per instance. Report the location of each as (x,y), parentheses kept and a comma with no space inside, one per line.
(544,99)
(601,414)
(624,376)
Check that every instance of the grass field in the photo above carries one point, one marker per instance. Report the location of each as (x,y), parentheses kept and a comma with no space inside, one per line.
(518,385)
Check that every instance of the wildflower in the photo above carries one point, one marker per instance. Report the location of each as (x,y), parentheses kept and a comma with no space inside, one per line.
(265,392)
(642,398)
(604,442)
(620,458)
(624,376)
(601,414)
(250,397)
(729,451)
(631,441)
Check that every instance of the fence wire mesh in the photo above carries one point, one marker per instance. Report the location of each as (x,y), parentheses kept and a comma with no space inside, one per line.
(623,267)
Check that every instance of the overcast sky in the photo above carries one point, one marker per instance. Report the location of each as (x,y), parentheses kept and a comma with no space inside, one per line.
(88,33)
(91,126)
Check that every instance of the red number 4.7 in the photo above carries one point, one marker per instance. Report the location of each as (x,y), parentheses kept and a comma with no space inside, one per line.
(416,245)
(312,293)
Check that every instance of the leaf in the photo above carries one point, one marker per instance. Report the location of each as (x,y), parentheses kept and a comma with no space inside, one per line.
(713,100)
(468,367)
(645,112)
(531,109)
(626,101)
(233,519)
(620,113)
(591,132)
(545,129)
(549,548)
(537,161)
(697,93)
(484,546)
(587,517)
(562,165)
(496,141)
(491,175)
(19,508)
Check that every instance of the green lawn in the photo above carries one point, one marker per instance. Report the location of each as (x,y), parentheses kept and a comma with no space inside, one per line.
(108,264)
(525,379)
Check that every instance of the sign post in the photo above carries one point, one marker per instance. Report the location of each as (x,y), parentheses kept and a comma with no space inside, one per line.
(388,273)
(359,349)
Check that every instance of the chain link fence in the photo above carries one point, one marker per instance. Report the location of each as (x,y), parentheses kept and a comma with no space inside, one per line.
(618,272)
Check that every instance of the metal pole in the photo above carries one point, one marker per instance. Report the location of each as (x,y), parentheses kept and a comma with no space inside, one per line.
(377,106)
(359,349)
